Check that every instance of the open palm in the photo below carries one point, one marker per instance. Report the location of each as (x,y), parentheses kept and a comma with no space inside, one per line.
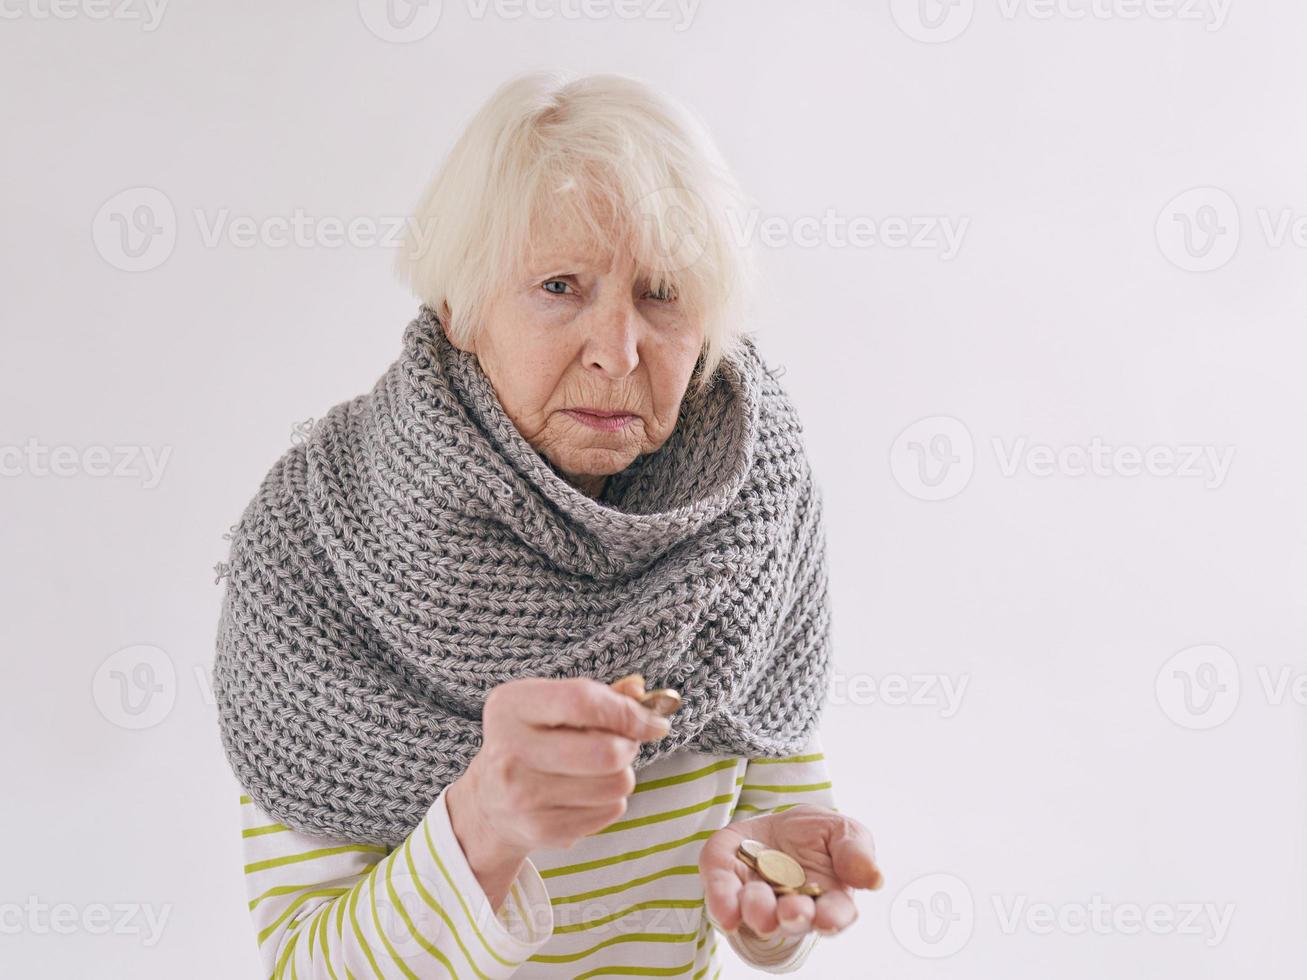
(836,852)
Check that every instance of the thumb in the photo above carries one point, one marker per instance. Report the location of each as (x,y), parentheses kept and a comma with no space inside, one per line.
(853,856)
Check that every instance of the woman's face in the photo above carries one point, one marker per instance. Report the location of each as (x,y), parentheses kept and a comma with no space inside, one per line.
(579,332)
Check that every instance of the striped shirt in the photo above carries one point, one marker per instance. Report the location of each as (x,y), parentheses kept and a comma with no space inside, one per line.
(625,901)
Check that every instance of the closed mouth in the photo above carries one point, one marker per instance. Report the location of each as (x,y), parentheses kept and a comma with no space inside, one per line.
(603,419)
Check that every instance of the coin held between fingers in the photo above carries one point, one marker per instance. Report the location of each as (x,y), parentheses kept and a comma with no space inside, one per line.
(663,702)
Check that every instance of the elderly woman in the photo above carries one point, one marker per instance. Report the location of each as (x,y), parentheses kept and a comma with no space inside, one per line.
(578,468)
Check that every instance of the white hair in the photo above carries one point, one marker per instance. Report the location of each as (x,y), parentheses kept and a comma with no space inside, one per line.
(607,152)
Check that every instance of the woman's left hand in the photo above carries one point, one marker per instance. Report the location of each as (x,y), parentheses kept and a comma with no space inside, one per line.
(836,852)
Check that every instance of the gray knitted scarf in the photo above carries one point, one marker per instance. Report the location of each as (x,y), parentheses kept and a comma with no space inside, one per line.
(415,551)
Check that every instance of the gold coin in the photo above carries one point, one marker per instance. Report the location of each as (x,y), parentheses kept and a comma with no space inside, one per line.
(811,889)
(746,851)
(778,868)
(664,700)
(779,890)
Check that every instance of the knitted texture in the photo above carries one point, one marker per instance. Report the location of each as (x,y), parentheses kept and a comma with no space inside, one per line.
(415,551)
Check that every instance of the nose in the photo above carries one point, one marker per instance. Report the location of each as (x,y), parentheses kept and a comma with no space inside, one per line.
(612,340)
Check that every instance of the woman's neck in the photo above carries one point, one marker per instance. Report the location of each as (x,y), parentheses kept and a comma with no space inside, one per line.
(591,486)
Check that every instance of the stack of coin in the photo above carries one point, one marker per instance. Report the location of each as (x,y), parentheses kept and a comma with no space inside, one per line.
(664,700)
(785,875)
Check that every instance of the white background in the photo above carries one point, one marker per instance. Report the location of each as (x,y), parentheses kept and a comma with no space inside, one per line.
(1073,311)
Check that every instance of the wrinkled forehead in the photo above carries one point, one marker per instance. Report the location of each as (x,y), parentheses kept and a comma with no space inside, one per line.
(577,227)
(568,244)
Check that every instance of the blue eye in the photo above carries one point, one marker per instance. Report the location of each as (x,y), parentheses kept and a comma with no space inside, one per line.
(555,282)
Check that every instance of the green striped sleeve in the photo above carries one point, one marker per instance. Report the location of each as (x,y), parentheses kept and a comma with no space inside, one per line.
(778,784)
(324,907)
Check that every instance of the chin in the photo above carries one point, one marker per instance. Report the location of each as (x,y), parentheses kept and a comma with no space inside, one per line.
(593,461)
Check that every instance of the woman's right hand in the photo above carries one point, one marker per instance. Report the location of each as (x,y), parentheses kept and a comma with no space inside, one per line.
(554,766)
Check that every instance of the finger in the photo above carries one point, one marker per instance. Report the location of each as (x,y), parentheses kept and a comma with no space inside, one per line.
(795,914)
(853,856)
(632,685)
(721,892)
(719,870)
(835,911)
(582,702)
(758,908)
(568,752)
